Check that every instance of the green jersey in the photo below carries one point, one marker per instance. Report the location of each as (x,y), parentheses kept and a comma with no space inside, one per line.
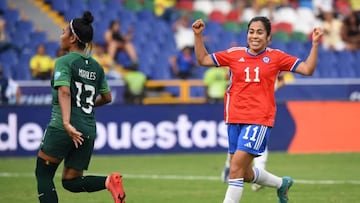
(86,80)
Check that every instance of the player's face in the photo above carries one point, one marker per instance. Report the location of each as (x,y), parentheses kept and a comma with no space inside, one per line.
(66,38)
(257,37)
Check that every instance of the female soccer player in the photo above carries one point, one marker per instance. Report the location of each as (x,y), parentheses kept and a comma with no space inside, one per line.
(78,85)
(249,101)
(259,161)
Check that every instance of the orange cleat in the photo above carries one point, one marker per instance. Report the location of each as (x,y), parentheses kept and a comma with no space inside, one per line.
(114,184)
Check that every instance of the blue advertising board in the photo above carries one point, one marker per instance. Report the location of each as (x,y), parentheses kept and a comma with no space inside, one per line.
(124,129)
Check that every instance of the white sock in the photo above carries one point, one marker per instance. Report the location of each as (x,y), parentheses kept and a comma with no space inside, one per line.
(227,162)
(260,162)
(262,177)
(234,191)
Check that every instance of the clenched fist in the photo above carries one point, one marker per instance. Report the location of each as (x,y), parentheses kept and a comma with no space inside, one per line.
(198,26)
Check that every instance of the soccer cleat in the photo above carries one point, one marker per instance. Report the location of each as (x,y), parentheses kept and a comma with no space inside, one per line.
(256,187)
(225,174)
(114,184)
(282,192)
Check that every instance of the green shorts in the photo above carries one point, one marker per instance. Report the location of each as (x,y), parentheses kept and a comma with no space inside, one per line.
(57,143)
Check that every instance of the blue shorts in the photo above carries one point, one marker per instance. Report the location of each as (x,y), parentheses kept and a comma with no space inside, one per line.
(251,138)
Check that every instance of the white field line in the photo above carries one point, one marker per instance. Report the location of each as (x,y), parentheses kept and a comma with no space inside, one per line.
(185,177)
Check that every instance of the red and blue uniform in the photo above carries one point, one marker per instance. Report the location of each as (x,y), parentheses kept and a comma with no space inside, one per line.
(250,95)
(249,102)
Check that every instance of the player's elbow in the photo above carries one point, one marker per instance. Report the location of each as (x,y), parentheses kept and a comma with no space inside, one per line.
(306,69)
(309,72)
(106,98)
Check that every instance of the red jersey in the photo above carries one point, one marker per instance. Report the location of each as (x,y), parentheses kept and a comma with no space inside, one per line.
(250,98)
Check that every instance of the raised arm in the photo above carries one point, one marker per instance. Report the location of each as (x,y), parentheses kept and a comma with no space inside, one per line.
(308,67)
(202,56)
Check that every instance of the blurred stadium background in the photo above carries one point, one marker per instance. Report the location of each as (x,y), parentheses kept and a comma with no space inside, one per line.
(30,23)
(317,116)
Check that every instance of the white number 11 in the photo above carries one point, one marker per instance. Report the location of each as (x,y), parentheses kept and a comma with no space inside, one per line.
(247,72)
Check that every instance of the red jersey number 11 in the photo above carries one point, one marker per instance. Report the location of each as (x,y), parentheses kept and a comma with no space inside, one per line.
(247,73)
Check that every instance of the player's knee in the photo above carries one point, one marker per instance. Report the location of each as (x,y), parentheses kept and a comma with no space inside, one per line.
(70,185)
(45,169)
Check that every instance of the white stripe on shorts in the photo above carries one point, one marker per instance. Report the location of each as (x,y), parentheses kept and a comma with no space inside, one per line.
(260,138)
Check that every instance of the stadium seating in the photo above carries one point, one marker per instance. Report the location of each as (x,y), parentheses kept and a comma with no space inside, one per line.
(154,37)
(217,16)
(185,5)
(3,6)
(233,16)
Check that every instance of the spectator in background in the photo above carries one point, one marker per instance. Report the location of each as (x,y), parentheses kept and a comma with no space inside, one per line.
(259,8)
(350,31)
(332,28)
(321,6)
(10,92)
(135,82)
(106,61)
(216,82)
(41,64)
(164,8)
(162,5)
(183,63)
(182,32)
(116,41)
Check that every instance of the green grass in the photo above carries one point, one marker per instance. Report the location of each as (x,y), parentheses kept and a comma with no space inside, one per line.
(142,186)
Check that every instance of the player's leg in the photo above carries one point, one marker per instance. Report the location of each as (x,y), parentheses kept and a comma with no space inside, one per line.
(265,178)
(130,50)
(226,170)
(260,162)
(48,160)
(74,180)
(240,162)
(45,171)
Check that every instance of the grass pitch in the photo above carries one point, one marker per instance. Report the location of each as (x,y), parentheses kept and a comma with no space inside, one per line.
(194,178)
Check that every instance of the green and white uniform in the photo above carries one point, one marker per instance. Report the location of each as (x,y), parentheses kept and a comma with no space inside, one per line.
(86,80)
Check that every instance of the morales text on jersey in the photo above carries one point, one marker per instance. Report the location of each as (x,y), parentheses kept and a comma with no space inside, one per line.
(87,74)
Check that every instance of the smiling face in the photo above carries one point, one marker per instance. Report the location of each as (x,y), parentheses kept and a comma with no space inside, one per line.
(257,38)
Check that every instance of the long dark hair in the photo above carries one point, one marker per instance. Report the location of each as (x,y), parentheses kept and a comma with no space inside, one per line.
(265,21)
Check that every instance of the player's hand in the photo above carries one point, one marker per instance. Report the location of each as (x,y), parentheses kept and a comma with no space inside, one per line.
(316,35)
(198,26)
(74,134)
